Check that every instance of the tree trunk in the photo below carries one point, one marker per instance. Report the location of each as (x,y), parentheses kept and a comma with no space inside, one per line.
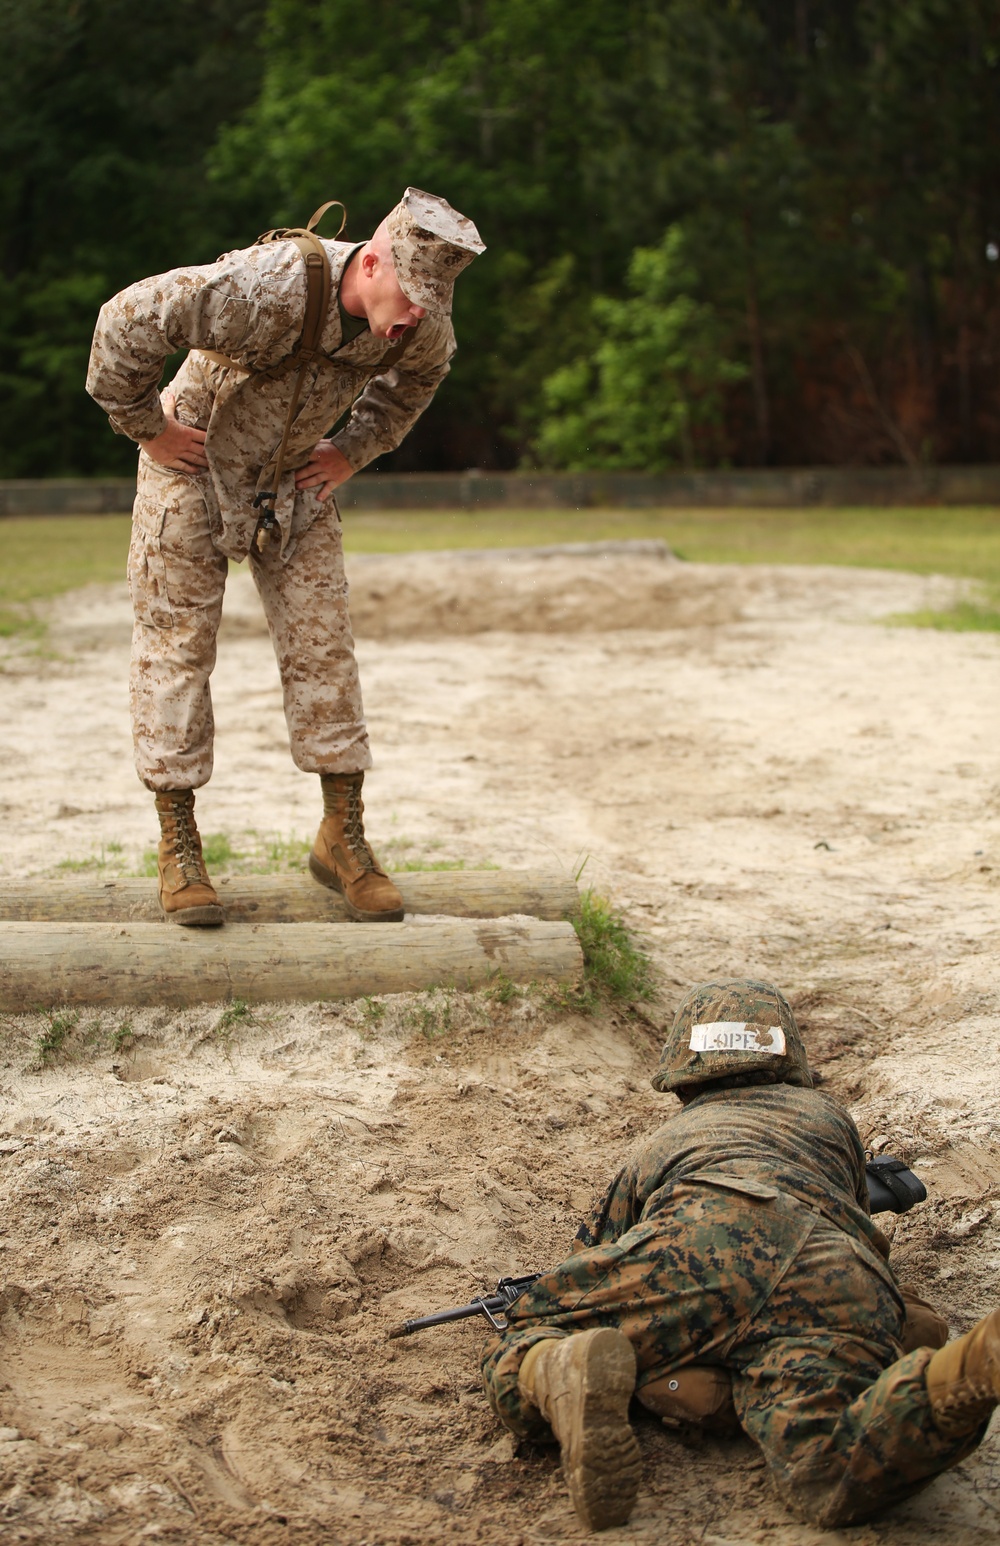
(802,27)
(56,964)
(758,377)
(964,353)
(297,898)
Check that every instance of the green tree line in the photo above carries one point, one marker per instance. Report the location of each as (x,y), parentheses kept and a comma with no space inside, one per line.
(719,231)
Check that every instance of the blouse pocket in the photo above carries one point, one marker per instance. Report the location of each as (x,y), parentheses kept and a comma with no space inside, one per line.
(232,324)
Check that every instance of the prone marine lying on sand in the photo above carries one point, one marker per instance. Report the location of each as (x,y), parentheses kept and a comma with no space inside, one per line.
(733,1265)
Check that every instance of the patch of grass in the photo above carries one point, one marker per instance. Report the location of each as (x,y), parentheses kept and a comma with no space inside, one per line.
(614,967)
(398,855)
(413,865)
(93,1032)
(59,1025)
(109,857)
(218,850)
(234,1015)
(373,1013)
(258,854)
(68,1036)
(432,1018)
(123,1035)
(283,853)
(963,617)
(20,622)
(956,539)
(110,854)
(48,555)
(501,989)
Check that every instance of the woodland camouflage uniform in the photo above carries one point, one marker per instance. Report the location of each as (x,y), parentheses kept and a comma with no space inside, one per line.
(250,305)
(739,1237)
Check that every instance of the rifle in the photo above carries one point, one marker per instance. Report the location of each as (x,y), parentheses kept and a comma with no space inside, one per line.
(892,1188)
(507,1291)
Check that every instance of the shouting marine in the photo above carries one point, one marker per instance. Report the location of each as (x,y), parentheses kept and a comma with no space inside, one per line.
(285,338)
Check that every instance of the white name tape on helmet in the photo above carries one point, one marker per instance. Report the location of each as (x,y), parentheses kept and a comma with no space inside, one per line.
(737,1036)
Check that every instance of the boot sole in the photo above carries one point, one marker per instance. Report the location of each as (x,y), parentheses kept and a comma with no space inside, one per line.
(208,917)
(333,882)
(602,1464)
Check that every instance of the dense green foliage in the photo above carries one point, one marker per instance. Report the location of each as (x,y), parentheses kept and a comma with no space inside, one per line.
(652,392)
(109,111)
(718,230)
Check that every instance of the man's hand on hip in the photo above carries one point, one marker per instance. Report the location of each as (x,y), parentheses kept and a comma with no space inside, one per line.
(325,470)
(178,445)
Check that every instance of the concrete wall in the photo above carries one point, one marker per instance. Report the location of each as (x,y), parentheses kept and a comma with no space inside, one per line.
(765,488)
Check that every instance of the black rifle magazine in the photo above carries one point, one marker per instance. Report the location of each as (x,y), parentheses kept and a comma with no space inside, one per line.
(892,1188)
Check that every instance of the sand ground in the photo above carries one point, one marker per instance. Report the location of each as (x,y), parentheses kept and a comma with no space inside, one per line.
(209,1223)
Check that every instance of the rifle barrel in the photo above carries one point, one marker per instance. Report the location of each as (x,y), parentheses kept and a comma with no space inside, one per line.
(492,1302)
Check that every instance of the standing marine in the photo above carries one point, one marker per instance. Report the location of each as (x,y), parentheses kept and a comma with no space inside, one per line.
(733,1264)
(234,464)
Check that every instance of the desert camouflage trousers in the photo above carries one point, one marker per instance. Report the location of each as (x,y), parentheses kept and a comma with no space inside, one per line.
(177,577)
(805,1322)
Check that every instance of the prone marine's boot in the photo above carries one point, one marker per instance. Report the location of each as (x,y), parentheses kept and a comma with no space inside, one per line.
(342,858)
(963,1379)
(699,1394)
(186,894)
(582,1385)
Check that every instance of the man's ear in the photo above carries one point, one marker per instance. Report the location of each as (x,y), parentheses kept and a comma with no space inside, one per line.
(369,263)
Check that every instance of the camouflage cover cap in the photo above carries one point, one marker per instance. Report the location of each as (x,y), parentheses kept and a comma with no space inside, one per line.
(431,244)
(727,1028)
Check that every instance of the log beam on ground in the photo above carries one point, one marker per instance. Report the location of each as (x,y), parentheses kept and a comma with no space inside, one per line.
(48,964)
(296,898)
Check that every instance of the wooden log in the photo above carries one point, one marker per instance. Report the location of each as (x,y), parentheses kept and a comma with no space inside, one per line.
(50,964)
(296,898)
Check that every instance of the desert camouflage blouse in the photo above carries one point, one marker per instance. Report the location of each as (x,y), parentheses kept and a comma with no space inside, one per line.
(250,306)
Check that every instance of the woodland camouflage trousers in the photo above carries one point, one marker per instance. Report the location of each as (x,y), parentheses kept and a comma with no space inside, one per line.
(805,1322)
(176,579)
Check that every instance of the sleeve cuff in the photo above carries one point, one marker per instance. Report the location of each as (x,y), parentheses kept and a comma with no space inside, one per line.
(139,424)
(350,451)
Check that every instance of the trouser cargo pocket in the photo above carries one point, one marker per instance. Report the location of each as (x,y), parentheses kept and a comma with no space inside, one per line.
(147,571)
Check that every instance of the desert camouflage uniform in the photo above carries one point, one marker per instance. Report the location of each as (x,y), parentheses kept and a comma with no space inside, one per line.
(250,306)
(740,1237)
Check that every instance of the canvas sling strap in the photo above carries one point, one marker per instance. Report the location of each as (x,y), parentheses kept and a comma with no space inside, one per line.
(318,287)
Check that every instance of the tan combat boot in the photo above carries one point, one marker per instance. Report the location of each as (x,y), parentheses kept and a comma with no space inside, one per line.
(186,893)
(963,1379)
(582,1385)
(343,860)
(699,1394)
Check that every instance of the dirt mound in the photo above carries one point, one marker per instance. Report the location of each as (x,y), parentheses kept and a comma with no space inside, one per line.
(591,587)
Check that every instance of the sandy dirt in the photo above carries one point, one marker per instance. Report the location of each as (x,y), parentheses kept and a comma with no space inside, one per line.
(210,1221)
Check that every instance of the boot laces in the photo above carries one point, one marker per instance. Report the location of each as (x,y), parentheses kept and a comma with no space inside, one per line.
(184,838)
(354,832)
(970,1392)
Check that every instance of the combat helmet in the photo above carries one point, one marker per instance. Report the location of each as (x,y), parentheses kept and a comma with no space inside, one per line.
(724,1030)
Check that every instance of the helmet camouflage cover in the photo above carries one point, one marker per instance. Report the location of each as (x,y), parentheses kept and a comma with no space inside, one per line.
(726,1029)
